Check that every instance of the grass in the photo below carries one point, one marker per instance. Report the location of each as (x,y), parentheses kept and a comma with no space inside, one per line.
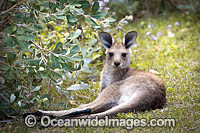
(169,46)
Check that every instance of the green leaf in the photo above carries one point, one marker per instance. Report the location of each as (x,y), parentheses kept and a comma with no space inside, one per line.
(75,58)
(69,75)
(11,58)
(84,50)
(4,67)
(93,23)
(93,41)
(99,15)
(75,34)
(37,88)
(34,62)
(78,87)
(14,29)
(95,7)
(43,74)
(26,37)
(85,69)
(58,45)
(74,50)
(54,61)
(34,5)
(65,66)
(110,20)
(56,75)
(84,4)
(22,45)
(61,17)
(76,11)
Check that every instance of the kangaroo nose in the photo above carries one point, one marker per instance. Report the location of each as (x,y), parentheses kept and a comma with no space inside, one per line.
(117,64)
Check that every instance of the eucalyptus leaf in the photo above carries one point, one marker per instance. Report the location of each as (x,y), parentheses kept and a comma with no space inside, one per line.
(78,87)
(37,88)
(95,7)
(11,58)
(23,45)
(26,37)
(99,15)
(75,34)
(71,18)
(85,4)
(84,50)
(93,41)
(93,23)
(74,50)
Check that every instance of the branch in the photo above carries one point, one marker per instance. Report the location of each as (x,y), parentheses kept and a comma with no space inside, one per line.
(17,4)
(42,49)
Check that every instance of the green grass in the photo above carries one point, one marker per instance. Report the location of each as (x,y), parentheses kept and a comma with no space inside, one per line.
(177,61)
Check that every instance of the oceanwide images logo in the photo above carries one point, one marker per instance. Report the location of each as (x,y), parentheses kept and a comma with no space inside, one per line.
(46,121)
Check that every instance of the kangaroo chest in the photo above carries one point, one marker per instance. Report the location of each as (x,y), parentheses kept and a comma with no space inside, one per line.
(107,77)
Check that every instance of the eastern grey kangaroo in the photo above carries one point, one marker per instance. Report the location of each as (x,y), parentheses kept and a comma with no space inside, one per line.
(123,88)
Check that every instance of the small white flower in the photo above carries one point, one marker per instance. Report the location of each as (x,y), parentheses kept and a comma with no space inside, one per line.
(135,45)
(148,33)
(149,26)
(123,21)
(106,8)
(113,13)
(107,30)
(41,69)
(119,27)
(129,17)
(170,34)
(20,25)
(101,3)
(169,26)
(159,34)
(176,23)
(94,19)
(19,103)
(106,1)
(153,37)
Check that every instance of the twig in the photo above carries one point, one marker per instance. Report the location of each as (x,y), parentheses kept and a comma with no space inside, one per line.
(43,49)
(17,4)
(5,121)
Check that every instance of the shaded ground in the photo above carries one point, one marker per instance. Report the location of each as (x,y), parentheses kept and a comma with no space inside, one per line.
(170,47)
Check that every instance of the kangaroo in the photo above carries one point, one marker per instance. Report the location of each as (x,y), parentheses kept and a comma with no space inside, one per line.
(123,89)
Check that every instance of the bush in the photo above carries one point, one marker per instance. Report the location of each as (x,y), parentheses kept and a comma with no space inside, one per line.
(46,44)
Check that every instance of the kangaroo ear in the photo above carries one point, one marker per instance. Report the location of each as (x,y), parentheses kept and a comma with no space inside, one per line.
(106,39)
(130,38)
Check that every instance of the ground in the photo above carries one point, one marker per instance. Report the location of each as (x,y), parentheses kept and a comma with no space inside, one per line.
(168,46)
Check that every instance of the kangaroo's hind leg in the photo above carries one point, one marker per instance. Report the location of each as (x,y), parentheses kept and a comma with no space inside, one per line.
(137,101)
(103,102)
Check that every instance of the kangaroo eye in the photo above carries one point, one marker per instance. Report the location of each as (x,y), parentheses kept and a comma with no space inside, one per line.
(124,54)
(110,54)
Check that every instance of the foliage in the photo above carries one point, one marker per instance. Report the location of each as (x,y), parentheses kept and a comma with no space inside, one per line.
(46,44)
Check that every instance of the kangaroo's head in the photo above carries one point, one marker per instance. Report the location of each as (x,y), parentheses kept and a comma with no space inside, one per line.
(118,54)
